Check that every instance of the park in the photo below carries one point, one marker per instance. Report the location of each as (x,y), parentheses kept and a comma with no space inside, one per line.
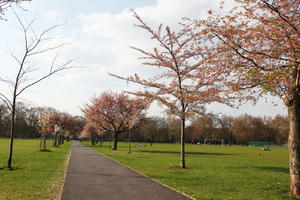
(237,172)
(158,99)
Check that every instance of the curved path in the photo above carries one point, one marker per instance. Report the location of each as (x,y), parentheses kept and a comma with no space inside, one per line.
(91,176)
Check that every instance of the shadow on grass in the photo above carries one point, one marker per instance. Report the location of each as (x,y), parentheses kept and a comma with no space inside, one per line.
(46,150)
(179,168)
(187,153)
(275,169)
(10,169)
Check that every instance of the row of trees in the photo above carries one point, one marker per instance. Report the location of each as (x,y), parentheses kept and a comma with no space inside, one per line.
(59,126)
(27,120)
(32,121)
(243,54)
(234,130)
(239,55)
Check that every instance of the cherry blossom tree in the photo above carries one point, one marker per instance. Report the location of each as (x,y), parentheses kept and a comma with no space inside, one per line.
(4,4)
(49,124)
(68,126)
(257,45)
(60,125)
(91,132)
(77,128)
(183,84)
(115,113)
(45,129)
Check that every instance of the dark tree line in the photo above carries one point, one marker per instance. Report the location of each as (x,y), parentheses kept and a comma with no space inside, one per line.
(240,130)
(234,130)
(27,121)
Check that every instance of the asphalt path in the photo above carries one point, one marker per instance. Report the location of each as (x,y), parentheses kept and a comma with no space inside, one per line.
(92,176)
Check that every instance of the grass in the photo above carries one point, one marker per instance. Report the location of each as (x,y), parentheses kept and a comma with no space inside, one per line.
(35,174)
(231,172)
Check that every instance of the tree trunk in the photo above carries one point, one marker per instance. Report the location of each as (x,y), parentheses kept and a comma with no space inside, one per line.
(55,140)
(12,131)
(230,139)
(41,141)
(294,146)
(45,142)
(110,140)
(93,141)
(182,152)
(59,140)
(152,139)
(129,150)
(116,134)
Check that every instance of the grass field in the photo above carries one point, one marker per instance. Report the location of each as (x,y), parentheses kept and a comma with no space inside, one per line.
(36,175)
(235,172)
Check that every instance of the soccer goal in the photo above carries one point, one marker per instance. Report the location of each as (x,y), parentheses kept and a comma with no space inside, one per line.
(214,142)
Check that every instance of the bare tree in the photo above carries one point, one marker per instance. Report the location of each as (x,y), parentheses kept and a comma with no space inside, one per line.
(24,77)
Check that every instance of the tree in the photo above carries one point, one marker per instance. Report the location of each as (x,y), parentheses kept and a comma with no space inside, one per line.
(24,77)
(204,128)
(248,128)
(227,123)
(183,84)
(243,130)
(68,126)
(4,4)
(61,125)
(78,127)
(4,119)
(174,127)
(151,130)
(280,125)
(45,127)
(257,43)
(115,113)
(32,118)
(91,132)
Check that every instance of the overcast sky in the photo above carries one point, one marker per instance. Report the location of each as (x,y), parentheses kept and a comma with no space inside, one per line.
(99,33)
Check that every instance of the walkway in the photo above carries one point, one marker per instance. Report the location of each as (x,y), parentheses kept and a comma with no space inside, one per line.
(93,176)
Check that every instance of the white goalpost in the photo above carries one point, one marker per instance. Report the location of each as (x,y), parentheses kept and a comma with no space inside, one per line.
(214,141)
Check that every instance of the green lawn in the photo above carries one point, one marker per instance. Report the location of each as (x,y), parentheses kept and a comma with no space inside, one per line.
(35,175)
(235,172)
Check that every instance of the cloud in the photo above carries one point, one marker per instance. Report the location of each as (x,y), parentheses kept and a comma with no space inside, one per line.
(55,17)
(100,43)
(51,15)
(271,107)
(120,26)
(120,30)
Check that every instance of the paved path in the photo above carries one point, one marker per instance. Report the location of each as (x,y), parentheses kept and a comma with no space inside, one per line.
(93,176)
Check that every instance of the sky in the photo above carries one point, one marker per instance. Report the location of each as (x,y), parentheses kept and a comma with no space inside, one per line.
(97,34)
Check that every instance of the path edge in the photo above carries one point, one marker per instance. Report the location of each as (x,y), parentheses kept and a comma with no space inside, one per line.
(59,196)
(155,181)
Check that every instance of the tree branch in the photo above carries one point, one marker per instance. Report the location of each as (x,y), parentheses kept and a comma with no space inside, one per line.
(61,68)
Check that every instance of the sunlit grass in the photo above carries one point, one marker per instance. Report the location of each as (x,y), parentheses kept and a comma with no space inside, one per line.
(214,172)
(35,175)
